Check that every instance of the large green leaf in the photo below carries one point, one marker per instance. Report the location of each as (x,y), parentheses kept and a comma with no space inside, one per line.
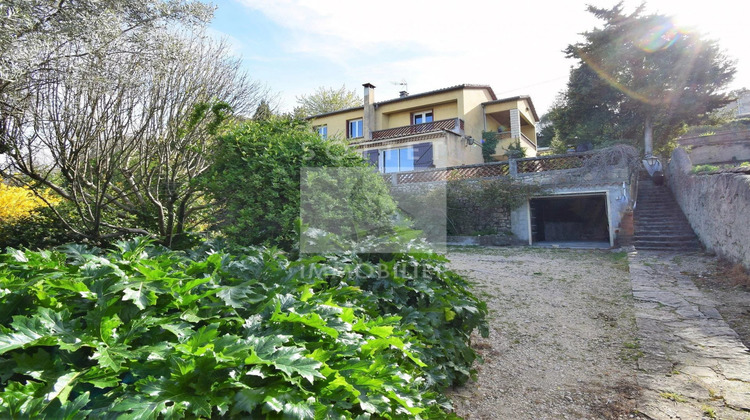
(240,296)
(27,331)
(290,361)
(111,357)
(62,387)
(311,319)
(140,295)
(70,410)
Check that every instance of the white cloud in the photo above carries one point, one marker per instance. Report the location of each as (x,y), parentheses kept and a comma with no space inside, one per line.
(508,45)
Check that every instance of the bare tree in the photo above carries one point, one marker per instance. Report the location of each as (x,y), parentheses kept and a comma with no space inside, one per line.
(326,99)
(123,135)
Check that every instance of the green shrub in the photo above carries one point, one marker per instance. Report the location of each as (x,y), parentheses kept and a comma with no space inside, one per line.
(256,180)
(515,151)
(558,146)
(700,169)
(490,139)
(485,195)
(37,231)
(143,332)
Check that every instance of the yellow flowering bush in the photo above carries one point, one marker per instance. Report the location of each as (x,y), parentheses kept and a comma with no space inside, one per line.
(20,202)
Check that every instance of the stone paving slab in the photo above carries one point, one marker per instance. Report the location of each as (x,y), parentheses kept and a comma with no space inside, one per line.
(693,365)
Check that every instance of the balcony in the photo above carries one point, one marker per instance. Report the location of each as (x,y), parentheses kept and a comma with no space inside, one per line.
(454,124)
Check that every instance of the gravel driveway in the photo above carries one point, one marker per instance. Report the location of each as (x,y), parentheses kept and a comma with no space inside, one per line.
(563,341)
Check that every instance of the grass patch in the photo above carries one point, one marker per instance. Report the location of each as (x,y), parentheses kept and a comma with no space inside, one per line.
(631,351)
(620,260)
(709,412)
(673,396)
(715,395)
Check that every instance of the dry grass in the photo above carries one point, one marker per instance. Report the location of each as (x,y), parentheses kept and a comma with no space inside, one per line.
(735,274)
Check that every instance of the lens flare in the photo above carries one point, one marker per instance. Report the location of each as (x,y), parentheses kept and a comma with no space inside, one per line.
(655,37)
(659,37)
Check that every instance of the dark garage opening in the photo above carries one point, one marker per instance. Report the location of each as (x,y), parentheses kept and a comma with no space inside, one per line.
(569,219)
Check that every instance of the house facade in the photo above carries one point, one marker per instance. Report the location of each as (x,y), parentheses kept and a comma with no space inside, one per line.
(436,129)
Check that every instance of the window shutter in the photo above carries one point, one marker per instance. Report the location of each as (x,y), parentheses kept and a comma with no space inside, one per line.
(372,157)
(423,156)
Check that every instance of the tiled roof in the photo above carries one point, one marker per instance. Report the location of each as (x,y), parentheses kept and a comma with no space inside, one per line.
(340,111)
(418,95)
(433,92)
(516,98)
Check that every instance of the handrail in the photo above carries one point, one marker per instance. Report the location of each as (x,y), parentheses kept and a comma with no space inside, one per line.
(528,139)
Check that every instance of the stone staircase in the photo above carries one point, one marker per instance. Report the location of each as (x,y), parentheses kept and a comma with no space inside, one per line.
(658,220)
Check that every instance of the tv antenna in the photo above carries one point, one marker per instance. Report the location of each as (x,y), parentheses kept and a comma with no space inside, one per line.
(402,83)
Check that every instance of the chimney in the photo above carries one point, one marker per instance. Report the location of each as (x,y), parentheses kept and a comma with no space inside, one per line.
(368,121)
(403,94)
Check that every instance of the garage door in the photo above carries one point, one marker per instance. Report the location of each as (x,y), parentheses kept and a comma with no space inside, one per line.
(579,218)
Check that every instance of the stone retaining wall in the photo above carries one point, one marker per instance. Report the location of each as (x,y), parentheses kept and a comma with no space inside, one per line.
(723,147)
(469,215)
(717,206)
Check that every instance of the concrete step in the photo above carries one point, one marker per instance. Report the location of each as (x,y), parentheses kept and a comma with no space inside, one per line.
(673,249)
(655,236)
(656,206)
(658,220)
(692,245)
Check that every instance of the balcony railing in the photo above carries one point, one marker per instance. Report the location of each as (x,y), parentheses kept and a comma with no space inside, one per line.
(512,168)
(453,124)
(552,163)
(482,170)
(504,135)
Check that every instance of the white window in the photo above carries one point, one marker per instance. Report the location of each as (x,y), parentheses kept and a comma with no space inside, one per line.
(355,129)
(398,160)
(422,117)
(322,131)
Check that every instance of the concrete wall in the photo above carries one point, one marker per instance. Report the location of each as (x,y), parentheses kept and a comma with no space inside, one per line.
(403,118)
(337,122)
(448,149)
(717,206)
(717,148)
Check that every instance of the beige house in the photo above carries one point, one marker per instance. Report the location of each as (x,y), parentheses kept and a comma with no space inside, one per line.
(436,129)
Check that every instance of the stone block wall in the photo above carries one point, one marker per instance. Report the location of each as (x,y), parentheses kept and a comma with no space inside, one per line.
(472,219)
(467,215)
(717,206)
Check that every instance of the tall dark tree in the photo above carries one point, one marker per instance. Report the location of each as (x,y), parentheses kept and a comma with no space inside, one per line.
(263,112)
(640,76)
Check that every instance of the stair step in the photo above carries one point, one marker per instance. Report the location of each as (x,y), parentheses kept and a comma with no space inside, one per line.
(665,237)
(666,245)
(674,249)
(659,222)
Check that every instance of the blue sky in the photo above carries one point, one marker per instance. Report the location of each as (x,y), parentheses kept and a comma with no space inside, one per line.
(295,46)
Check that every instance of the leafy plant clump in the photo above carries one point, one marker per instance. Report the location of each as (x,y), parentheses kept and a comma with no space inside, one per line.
(144,332)
(267,159)
(702,169)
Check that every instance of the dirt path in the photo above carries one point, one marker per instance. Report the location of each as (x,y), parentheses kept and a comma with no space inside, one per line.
(563,341)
